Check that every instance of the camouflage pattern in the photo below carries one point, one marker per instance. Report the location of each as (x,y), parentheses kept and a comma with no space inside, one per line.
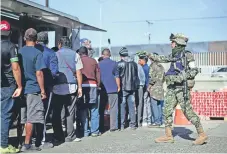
(174,94)
(161,58)
(179,38)
(156,80)
(173,97)
(189,56)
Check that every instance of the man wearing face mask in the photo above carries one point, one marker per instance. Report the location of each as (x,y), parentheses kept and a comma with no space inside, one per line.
(175,77)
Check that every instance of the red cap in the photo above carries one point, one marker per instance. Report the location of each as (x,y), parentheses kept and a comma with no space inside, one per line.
(5,27)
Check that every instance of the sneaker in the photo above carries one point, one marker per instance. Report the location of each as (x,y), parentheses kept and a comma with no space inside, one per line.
(162,126)
(9,149)
(113,130)
(74,139)
(95,135)
(77,140)
(153,125)
(30,148)
(46,145)
(133,128)
(144,124)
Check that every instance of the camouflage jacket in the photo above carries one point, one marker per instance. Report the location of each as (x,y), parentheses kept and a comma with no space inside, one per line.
(172,79)
(161,58)
(156,80)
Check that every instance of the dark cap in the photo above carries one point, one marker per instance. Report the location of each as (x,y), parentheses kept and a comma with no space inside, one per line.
(123,52)
(142,56)
(42,36)
(65,41)
(5,28)
(30,34)
(155,53)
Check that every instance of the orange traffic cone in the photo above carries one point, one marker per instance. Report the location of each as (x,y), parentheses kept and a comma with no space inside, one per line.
(107,116)
(180,118)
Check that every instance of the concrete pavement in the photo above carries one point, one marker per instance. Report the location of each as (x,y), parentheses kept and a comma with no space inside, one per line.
(142,141)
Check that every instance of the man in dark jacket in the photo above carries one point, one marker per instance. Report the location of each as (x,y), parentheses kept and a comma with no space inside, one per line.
(127,73)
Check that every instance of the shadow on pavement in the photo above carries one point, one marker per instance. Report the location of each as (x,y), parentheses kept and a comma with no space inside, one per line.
(183,133)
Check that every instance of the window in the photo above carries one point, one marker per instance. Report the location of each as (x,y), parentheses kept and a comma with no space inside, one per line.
(222,69)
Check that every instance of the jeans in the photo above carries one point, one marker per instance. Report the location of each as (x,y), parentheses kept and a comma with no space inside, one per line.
(140,104)
(89,104)
(161,111)
(6,113)
(147,112)
(156,111)
(129,98)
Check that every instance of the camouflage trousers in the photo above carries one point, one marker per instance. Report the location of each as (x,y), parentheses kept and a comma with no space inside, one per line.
(174,97)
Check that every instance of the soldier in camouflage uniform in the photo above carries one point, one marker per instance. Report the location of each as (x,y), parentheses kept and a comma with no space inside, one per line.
(155,88)
(174,80)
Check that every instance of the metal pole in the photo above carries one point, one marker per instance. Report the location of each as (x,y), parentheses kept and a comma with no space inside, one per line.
(100,18)
(149,34)
(47,3)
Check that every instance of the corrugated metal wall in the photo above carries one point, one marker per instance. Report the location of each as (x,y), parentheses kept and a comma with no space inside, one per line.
(210,58)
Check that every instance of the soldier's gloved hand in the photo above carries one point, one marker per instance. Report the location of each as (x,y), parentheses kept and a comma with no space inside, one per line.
(173,59)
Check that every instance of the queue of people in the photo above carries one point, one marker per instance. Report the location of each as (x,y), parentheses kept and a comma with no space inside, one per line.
(72,89)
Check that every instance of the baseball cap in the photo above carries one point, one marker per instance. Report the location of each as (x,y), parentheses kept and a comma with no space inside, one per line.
(123,52)
(5,28)
(42,36)
(30,34)
(83,40)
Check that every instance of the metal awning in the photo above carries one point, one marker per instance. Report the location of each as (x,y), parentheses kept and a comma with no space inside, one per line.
(15,8)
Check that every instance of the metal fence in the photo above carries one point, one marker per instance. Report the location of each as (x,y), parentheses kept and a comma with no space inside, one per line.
(210,58)
(207,61)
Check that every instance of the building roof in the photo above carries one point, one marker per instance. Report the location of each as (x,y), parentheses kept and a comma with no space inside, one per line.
(17,8)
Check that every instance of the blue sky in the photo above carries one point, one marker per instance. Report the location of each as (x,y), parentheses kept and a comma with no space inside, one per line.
(133,10)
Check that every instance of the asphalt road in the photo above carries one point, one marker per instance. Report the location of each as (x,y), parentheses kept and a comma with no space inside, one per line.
(142,141)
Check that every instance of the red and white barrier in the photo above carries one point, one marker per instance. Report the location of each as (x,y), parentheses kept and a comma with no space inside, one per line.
(210,104)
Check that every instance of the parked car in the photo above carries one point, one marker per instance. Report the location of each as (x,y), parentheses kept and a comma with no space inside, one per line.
(220,72)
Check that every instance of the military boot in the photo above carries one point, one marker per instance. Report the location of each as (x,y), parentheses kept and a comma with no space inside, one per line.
(168,138)
(201,139)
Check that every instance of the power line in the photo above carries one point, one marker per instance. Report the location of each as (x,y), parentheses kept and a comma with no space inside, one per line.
(174,19)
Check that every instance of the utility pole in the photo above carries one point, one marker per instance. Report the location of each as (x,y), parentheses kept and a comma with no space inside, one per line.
(47,3)
(148,33)
(101,2)
(100,20)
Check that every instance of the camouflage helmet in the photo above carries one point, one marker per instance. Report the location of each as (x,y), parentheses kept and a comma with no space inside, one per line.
(189,55)
(179,38)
